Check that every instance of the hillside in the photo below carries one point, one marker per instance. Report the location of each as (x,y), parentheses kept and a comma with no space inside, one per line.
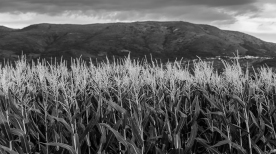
(5,29)
(164,40)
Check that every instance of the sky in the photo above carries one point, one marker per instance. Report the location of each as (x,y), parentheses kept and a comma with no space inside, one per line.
(255,17)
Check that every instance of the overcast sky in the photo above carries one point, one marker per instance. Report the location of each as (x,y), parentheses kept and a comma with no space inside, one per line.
(255,17)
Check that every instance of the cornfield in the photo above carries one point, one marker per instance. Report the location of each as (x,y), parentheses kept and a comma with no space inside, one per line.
(136,107)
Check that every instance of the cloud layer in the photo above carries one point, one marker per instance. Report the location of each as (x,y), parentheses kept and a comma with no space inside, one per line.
(57,6)
(201,11)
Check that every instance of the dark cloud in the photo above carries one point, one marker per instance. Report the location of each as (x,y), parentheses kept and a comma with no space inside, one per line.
(200,11)
(221,2)
(58,6)
(249,9)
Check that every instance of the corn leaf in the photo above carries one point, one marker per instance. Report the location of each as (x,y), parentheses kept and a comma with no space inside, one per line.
(119,137)
(8,150)
(65,146)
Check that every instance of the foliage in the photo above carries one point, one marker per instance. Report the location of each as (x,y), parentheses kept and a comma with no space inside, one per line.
(136,107)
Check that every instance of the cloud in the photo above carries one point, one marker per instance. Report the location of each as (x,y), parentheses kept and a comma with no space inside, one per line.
(267,26)
(203,15)
(26,19)
(221,2)
(269,37)
(59,6)
(200,11)
(174,13)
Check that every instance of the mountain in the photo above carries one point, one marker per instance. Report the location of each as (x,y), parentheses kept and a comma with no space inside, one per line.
(163,40)
(5,29)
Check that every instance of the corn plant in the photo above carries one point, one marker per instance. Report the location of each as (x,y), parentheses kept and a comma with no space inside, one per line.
(136,107)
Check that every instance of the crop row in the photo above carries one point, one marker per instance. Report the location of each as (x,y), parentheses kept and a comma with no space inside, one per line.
(136,107)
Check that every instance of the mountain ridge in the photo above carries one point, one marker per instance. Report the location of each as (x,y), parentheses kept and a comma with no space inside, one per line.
(162,40)
(4,28)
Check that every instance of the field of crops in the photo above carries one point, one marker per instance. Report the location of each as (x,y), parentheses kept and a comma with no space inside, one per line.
(133,107)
